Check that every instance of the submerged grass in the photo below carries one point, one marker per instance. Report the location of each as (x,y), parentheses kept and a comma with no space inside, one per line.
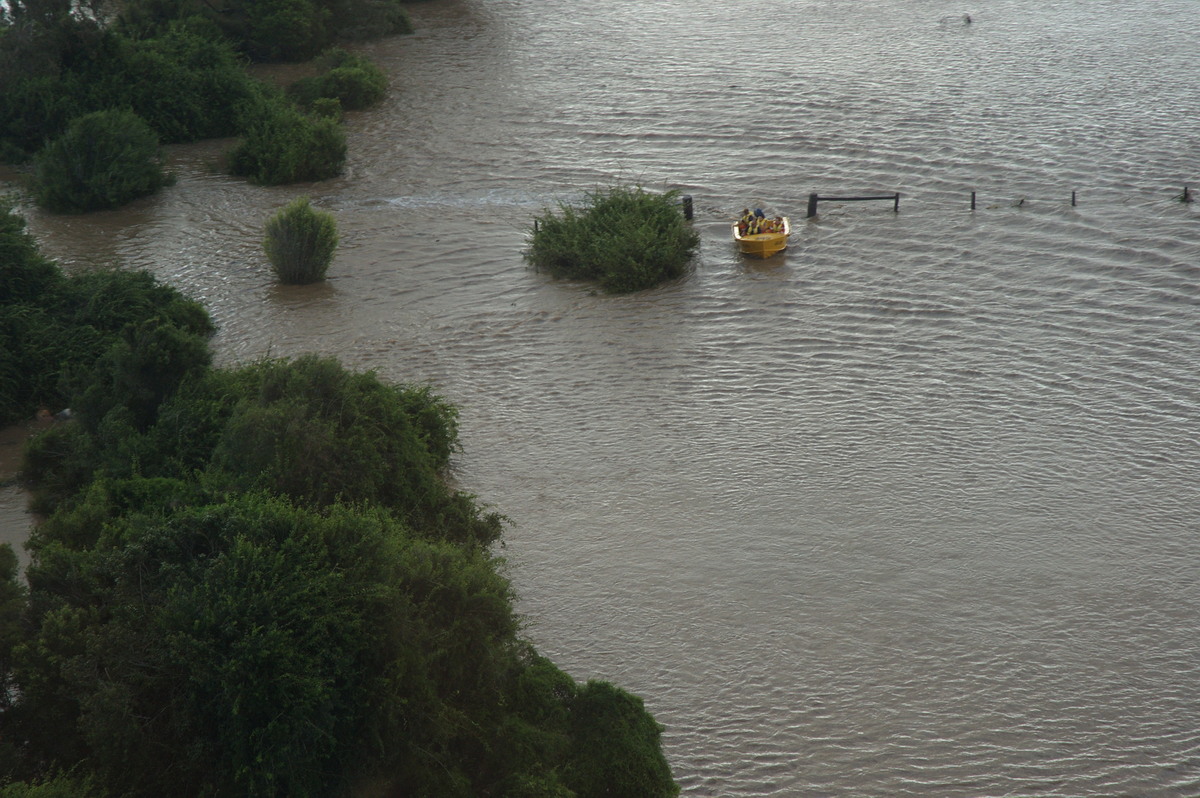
(625,238)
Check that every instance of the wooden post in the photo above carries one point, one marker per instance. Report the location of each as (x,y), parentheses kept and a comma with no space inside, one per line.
(896,207)
(972,200)
(687,207)
(1187,196)
(812,206)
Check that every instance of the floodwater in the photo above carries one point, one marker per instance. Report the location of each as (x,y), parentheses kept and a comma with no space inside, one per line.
(908,510)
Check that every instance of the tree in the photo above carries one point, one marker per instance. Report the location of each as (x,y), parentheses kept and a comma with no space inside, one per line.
(104,160)
(615,747)
(52,324)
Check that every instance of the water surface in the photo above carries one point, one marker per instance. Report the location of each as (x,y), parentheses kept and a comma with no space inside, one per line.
(908,510)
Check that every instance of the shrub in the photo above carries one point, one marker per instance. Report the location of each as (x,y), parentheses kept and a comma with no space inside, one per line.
(351,79)
(283,145)
(625,238)
(272,30)
(185,85)
(52,325)
(368,19)
(610,725)
(300,242)
(60,786)
(104,160)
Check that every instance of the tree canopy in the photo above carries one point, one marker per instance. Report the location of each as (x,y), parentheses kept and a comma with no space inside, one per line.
(257,581)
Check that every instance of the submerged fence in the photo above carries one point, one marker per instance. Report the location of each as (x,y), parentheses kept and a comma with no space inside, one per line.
(815,199)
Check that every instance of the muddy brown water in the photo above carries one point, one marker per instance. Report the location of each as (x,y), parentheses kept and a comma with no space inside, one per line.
(908,510)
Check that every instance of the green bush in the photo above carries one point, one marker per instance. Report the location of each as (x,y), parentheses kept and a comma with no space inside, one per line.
(185,85)
(54,787)
(300,242)
(351,79)
(52,325)
(369,19)
(611,726)
(104,160)
(12,605)
(283,145)
(625,238)
(272,30)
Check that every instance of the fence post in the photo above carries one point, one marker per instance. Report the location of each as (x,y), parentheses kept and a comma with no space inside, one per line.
(896,207)
(812,206)
(1072,199)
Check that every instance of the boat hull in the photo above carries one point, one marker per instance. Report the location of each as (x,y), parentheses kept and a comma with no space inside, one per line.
(762,245)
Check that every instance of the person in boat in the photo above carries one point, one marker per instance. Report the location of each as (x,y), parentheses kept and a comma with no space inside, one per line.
(744,222)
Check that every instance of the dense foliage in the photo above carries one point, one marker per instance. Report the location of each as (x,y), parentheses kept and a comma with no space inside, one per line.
(53,326)
(184,84)
(300,242)
(177,66)
(104,160)
(350,79)
(625,238)
(273,30)
(284,145)
(255,582)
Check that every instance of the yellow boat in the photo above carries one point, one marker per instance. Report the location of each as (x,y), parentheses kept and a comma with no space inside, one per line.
(762,245)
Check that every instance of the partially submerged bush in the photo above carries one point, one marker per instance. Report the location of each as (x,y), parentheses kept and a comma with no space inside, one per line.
(370,19)
(283,145)
(53,325)
(104,160)
(300,242)
(351,79)
(626,238)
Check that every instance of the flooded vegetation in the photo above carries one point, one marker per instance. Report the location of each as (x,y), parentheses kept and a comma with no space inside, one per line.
(908,509)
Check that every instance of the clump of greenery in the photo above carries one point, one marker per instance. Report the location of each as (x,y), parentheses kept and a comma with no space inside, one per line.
(186,85)
(370,19)
(104,160)
(279,30)
(52,325)
(300,242)
(260,577)
(183,83)
(284,145)
(352,80)
(625,238)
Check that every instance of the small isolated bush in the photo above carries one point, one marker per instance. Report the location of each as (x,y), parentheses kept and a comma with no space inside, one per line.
(284,145)
(300,242)
(104,160)
(351,79)
(625,238)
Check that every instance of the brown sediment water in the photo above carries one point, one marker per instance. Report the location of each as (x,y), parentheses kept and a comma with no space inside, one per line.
(908,510)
